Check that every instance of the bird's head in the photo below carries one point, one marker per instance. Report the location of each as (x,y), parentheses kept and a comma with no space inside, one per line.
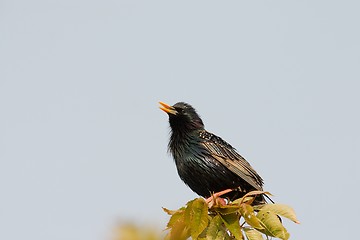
(182,117)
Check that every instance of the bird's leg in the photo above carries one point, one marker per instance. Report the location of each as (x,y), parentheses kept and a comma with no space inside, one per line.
(215,198)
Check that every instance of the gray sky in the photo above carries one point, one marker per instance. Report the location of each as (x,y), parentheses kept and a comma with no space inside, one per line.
(83,143)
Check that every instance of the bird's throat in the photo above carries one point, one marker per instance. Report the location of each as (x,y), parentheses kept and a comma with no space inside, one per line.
(181,143)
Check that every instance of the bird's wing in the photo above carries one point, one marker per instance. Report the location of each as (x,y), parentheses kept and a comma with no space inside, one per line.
(229,157)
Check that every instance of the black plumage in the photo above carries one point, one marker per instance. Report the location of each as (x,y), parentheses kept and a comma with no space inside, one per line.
(205,162)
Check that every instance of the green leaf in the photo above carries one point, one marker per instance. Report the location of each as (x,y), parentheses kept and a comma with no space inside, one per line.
(282,210)
(272,225)
(224,210)
(179,232)
(170,212)
(175,218)
(252,234)
(198,217)
(247,211)
(222,235)
(214,228)
(178,228)
(232,223)
(188,212)
(246,198)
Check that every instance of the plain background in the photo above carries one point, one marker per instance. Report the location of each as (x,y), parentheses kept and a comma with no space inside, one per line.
(83,145)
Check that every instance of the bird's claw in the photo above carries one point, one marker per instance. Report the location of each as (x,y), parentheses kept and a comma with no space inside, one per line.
(215,198)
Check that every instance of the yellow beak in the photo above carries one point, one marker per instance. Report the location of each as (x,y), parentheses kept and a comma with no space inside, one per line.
(167,108)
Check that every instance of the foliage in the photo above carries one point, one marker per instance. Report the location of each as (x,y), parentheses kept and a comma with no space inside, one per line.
(133,232)
(216,220)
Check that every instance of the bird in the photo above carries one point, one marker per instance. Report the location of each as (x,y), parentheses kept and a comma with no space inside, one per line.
(204,161)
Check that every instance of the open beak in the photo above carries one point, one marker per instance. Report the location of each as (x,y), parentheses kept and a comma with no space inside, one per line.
(167,108)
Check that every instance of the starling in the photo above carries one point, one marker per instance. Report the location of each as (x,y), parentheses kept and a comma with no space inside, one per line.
(204,161)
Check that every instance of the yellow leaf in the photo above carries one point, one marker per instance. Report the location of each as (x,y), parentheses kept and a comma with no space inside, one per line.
(247,211)
(282,210)
(175,218)
(252,234)
(198,217)
(170,212)
(214,228)
(232,223)
(224,210)
(272,225)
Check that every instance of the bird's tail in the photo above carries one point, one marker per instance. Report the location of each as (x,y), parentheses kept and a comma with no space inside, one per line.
(268,198)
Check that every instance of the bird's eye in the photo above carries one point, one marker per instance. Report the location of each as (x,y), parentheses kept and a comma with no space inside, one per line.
(180,110)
